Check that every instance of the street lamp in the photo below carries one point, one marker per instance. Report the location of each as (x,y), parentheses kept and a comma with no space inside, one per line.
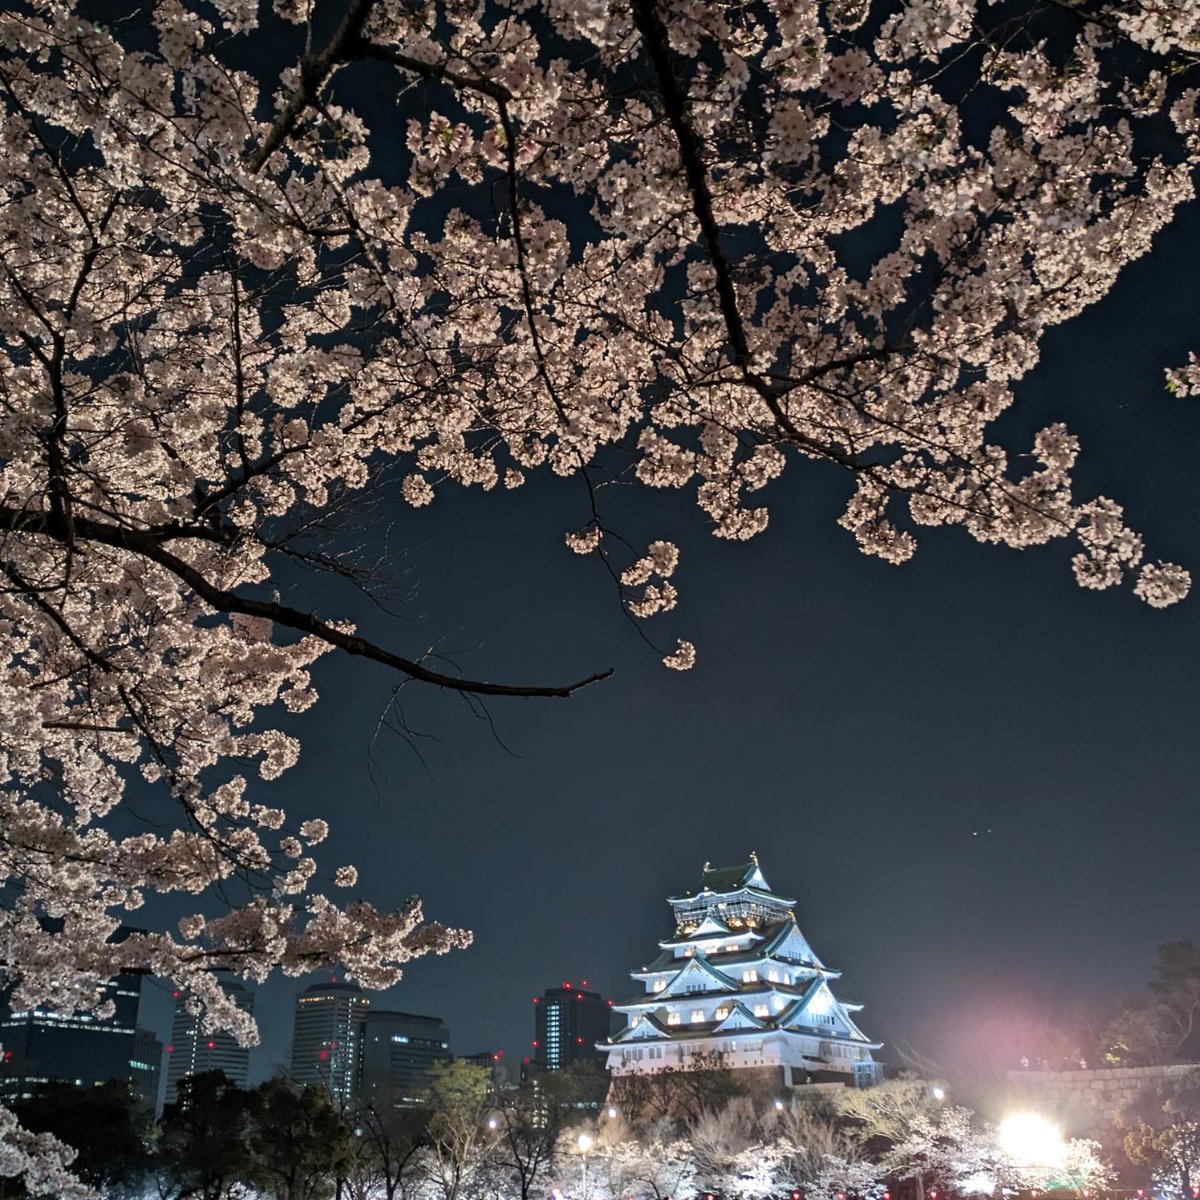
(938,1093)
(611,1112)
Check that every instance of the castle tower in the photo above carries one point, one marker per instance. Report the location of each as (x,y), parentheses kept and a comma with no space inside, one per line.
(738,979)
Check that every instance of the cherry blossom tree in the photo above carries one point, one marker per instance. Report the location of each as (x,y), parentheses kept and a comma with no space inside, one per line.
(678,243)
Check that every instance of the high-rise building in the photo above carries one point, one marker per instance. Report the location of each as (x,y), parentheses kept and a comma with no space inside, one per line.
(145,1066)
(738,979)
(40,1045)
(192,1051)
(569,1020)
(398,1050)
(327,1038)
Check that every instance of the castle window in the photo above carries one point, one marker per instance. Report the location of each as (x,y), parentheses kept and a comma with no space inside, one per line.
(658,985)
(673,1018)
(721,1013)
(773,975)
(697,1016)
(750,975)
(760,1010)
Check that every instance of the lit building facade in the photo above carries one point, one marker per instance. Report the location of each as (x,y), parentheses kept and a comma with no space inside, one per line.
(398,1050)
(327,1039)
(192,1051)
(737,978)
(569,1021)
(40,1045)
(145,1067)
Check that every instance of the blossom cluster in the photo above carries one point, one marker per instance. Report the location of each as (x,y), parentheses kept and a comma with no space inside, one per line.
(229,307)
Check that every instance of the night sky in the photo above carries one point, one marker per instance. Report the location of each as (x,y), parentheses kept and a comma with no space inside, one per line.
(977,779)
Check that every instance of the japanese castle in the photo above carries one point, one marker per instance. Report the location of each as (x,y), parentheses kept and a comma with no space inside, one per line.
(739,979)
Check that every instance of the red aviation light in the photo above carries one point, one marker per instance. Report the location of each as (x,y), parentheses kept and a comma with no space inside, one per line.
(212,1045)
(535,1041)
(537,999)
(170,1048)
(578,995)
(584,983)
(323,1055)
(567,985)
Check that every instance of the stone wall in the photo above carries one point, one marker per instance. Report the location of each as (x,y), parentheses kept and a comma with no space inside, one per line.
(1085,1102)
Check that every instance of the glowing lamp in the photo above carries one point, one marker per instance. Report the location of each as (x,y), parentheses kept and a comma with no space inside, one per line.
(211,1045)
(939,1093)
(492,1122)
(1032,1141)
(611,1113)
(779,1106)
(585,1142)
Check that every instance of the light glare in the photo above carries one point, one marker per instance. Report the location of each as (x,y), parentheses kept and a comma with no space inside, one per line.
(1032,1141)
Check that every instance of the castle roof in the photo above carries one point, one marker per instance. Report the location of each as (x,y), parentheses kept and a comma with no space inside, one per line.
(724,880)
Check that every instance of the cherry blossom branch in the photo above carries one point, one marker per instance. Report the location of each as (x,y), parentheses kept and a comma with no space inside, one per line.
(151,547)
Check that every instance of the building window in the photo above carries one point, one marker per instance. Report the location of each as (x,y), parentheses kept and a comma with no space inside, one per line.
(749,975)
(721,1013)
(658,985)
(760,1010)
(697,1016)
(634,1022)
(672,1018)
(773,975)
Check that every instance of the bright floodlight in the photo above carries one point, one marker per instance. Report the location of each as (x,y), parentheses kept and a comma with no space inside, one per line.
(779,1106)
(585,1142)
(939,1093)
(612,1112)
(492,1123)
(1032,1141)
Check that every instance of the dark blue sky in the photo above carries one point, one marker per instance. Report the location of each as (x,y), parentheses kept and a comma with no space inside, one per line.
(863,727)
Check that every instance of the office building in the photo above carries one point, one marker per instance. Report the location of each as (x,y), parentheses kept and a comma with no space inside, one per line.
(398,1050)
(569,1021)
(40,1045)
(193,1051)
(327,1039)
